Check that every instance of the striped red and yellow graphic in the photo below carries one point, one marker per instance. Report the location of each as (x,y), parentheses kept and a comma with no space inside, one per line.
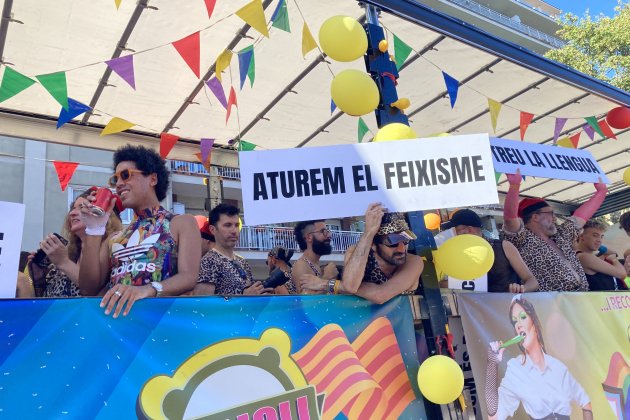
(366,379)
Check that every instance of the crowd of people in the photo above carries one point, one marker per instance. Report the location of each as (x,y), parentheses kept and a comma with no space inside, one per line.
(163,254)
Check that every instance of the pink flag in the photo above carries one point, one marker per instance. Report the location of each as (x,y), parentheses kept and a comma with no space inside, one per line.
(123,66)
(560,122)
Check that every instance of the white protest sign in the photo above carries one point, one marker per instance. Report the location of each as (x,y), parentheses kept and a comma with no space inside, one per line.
(340,181)
(11,226)
(545,161)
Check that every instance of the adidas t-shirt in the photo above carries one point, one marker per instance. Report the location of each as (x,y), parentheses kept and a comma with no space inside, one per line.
(145,251)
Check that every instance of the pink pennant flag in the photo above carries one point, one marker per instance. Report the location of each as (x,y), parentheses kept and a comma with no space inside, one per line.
(590,132)
(188,48)
(607,130)
(216,88)
(560,122)
(123,66)
(210,6)
(526,119)
(206,148)
(231,101)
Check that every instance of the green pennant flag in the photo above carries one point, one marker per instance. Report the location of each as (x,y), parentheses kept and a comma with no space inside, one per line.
(245,146)
(251,71)
(13,83)
(592,121)
(497,176)
(55,84)
(281,17)
(363,129)
(401,51)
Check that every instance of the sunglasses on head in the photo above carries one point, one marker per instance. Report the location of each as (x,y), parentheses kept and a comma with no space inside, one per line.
(124,175)
(392,240)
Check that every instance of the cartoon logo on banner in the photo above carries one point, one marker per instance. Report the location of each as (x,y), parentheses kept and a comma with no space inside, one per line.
(246,378)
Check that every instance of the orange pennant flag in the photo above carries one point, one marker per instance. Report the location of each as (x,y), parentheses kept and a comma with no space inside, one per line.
(526,119)
(65,170)
(223,62)
(167,141)
(188,48)
(205,164)
(575,139)
(565,142)
(494,107)
(606,130)
(254,15)
(308,42)
(231,101)
(116,125)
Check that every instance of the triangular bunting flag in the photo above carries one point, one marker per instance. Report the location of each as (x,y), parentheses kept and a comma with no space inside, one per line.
(565,142)
(223,62)
(65,170)
(308,42)
(333,106)
(206,148)
(55,84)
(251,73)
(526,119)
(495,108)
(117,3)
(167,141)
(254,15)
(210,6)
(13,83)
(123,66)
(245,146)
(363,129)
(116,125)
(75,108)
(497,176)
(245,58)
(188,48)
(592,121)
(206,165)
(215,87)
(280,17)
(401,51)
(231,101)
(452,86)
(575,139)
(560,122)
(608,133)
(589,131)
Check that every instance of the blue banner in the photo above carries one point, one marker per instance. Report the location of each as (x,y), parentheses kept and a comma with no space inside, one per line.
(239,358)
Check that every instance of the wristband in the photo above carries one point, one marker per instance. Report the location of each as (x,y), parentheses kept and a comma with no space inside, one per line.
(331,286)
(95,230)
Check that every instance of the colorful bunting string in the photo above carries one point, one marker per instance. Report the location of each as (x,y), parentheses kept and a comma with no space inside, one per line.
(75,108)
(116,125)
(592,121)
(13,83)
(65,170)
(55,84)
(280,17)
(123,67)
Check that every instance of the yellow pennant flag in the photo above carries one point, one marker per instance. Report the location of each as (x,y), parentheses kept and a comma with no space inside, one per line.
(116,125)
(254,15)
(117,2)
(565,142)
(223,62)
(308,42)
(495,108)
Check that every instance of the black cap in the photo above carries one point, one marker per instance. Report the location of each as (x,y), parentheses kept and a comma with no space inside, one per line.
(466,217)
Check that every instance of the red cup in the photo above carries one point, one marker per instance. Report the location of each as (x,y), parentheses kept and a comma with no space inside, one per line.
(103,198)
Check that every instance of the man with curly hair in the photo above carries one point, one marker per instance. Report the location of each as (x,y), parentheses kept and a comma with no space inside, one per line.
(158,254)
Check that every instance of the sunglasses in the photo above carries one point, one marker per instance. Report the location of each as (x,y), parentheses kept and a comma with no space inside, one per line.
(323,231)
(392,240)
(240,270)
(124,175)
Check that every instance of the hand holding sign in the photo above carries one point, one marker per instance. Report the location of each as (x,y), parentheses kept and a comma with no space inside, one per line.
(373,217)
(515,179)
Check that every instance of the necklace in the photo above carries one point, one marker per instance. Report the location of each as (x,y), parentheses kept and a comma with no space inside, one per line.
(315,269)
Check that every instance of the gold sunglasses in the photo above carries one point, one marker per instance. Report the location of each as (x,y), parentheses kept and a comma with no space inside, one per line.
(124,175)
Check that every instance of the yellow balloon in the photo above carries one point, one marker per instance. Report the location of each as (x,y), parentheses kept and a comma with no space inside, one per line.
(240,223)
(343,38)
(440,379)
(626,176)
(383,45)
(432,221)
(438,135)
(402,103)
(395,131)
(354,92)
(464,257)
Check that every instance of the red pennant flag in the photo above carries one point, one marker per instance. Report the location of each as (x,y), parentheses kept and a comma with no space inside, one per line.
(167,141)
(607,130)
(575,139)
(526,119)
(210,6)
(231,101)
(65,170)
(188,48)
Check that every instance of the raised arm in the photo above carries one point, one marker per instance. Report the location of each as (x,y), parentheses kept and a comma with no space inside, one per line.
(94,266)
(588,209)
(511,221)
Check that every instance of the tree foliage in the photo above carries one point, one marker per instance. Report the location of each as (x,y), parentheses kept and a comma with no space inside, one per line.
(598,47)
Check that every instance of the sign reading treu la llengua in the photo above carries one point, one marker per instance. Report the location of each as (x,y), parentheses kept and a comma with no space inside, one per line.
(338,181)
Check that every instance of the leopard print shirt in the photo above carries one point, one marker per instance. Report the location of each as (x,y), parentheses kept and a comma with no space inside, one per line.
(230,277)
(59,285)
(555,273)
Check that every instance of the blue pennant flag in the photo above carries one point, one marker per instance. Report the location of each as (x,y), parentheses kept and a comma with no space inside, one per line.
(333,106)
(244,61)
(75,108)
(452,85)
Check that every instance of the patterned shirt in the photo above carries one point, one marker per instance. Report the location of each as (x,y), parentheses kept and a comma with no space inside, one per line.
(145,251)
(59,285)
(229,276)
(555,272)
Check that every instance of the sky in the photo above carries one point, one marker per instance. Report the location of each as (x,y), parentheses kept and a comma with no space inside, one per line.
(578,7)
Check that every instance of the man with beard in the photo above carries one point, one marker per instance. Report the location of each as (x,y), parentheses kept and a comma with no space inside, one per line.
(222,272)
(547,248)
(378,267)
(313,238)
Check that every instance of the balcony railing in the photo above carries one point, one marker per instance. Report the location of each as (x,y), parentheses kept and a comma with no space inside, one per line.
(197,169)
(264,238)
